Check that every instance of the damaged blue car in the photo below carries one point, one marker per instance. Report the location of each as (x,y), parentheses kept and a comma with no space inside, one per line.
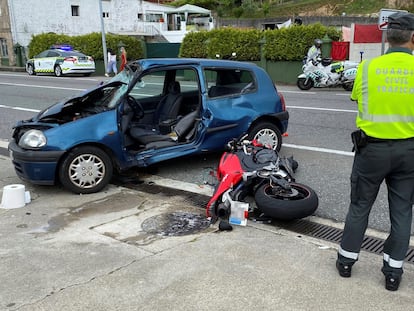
(154,110)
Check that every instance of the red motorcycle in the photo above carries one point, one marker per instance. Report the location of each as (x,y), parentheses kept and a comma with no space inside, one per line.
(251,169)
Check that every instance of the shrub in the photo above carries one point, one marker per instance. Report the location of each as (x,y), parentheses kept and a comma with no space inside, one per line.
(288,44)
(90,44)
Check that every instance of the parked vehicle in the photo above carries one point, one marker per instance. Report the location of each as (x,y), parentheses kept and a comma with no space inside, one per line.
(61,60)
(154,110)
(250,168)
(324,73)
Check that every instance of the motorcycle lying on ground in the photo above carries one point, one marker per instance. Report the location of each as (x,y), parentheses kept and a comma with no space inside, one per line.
(248,168)
(324,73)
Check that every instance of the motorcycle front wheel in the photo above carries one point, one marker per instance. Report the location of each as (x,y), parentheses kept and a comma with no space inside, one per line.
(304,84)
(299,202)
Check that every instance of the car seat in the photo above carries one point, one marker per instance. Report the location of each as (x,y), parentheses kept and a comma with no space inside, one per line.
(169,106)
(185,130)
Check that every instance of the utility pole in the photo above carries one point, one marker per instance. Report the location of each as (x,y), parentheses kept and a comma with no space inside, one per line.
(105,53)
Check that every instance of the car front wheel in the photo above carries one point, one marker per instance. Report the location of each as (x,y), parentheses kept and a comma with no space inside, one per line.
(86,169)
(267,134)
(58,71)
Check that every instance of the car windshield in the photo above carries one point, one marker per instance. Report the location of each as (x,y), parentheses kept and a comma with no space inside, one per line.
(72,53)
(128,74)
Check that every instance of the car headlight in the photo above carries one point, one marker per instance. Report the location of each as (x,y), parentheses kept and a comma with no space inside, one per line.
(32,139)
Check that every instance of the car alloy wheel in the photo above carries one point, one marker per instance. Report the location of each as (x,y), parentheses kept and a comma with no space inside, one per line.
(58,71)
(86,169)
(267,134)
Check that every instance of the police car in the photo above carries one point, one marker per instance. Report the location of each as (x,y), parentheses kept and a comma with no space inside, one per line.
(61,60)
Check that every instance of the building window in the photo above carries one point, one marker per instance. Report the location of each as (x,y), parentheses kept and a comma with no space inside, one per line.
(140,17)
(3,48)
(105,14)
(75,10)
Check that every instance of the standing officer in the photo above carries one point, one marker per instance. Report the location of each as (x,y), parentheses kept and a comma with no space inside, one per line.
(384,150)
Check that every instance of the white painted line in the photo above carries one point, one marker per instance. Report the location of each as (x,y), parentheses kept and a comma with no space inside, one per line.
(4,144)
(321,109)
(296,92)
(19,108)
(43,86)
(317,149)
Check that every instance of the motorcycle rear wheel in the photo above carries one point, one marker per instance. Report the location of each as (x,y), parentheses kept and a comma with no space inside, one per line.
(304,84)
(348,86)
(276,203)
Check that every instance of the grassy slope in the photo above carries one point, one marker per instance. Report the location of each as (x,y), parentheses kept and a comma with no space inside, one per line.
(335,7)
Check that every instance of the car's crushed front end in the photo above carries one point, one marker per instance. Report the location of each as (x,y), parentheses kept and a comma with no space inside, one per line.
(39,144)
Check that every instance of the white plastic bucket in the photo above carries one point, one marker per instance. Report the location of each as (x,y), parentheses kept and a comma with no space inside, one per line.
(14,196)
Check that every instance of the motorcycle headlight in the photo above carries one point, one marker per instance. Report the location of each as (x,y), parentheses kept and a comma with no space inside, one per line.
(32,139)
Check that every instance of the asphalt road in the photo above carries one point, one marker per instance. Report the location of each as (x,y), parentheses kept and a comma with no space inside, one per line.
(321,121)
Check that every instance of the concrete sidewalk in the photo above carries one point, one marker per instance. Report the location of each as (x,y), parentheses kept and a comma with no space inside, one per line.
(102,252)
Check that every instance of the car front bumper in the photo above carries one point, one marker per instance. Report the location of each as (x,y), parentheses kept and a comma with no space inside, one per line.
(35,166)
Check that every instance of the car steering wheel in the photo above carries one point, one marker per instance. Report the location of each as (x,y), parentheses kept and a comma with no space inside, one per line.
(136,107)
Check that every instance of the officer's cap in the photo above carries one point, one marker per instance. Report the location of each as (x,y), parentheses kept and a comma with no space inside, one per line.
(401,20)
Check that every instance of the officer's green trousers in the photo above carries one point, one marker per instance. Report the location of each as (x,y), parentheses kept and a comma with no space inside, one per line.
(392,161)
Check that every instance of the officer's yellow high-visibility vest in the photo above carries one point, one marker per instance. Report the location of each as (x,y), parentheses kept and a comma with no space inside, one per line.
(384,89)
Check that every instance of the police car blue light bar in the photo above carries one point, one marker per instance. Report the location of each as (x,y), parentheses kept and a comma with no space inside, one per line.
(63,47)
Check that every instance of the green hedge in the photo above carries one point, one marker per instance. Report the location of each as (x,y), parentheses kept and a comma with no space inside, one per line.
(90,44)
(286,44)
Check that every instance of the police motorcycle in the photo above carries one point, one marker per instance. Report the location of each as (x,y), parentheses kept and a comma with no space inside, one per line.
(250,169)
(323,73)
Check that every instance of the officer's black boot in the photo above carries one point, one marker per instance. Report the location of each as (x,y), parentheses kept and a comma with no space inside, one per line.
(344,266)
(392,276)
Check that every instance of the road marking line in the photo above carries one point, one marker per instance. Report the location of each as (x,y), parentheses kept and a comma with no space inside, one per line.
(43,86)
(295,92)
(321,109)
(317,149)
(4,144)
(19,108)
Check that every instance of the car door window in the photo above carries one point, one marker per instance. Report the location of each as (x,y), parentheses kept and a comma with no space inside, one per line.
(52,54)
(43,54)
(229,82)
(149,86)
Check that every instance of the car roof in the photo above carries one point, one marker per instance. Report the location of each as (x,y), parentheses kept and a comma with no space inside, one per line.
(205,62)
(65,52)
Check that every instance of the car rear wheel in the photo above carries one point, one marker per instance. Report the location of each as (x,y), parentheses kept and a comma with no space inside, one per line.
(30,70)
(58,71)
(86,169)
(267,134)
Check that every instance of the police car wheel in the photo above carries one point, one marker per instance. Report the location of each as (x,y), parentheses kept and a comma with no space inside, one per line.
(30,70)
(58,71)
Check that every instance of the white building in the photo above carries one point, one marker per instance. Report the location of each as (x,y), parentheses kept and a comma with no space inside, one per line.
(78,17)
